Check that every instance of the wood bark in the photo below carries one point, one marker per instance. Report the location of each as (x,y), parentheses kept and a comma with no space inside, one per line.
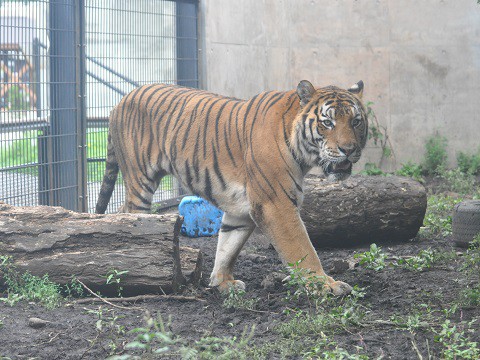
(63,243)
(362,209)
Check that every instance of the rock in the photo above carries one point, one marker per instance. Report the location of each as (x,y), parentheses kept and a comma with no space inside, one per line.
(37,323)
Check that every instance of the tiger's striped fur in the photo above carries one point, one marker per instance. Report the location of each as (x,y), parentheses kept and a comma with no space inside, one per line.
(248,158)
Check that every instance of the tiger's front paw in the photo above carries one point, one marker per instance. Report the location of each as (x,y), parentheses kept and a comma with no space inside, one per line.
(226,282)
(226,286)
(338,288)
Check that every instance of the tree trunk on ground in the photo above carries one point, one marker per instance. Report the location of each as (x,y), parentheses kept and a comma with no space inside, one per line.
(63,243)
(362,209)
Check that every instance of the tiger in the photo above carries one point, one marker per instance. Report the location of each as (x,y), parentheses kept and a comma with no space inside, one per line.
(247,157)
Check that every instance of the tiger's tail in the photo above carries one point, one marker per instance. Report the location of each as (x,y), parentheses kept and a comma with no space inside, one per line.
(109,179)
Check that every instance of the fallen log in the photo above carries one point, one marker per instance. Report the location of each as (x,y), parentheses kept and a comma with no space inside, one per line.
(63,244)
(362,209)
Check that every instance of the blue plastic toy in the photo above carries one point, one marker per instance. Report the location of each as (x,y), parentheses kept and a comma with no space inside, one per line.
(200,217)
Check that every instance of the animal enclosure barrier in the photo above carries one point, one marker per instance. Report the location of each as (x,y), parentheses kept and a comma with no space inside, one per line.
(64,64)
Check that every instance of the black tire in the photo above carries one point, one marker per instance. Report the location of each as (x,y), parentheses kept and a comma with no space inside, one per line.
(466,222)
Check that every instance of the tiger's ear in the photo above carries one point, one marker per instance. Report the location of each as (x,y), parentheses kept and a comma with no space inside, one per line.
(357,89)
(305,91)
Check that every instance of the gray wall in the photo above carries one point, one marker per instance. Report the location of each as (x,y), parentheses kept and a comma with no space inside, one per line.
(420,60)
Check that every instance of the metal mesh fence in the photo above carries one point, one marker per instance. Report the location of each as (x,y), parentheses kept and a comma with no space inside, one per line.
(64,64)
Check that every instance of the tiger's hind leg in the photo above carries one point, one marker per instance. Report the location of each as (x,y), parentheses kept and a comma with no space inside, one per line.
(234,232)
(139,192)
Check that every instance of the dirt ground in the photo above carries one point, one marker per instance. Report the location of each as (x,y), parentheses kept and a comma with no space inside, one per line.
(77,331)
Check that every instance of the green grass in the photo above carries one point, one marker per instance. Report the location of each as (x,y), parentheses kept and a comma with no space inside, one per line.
(21,153)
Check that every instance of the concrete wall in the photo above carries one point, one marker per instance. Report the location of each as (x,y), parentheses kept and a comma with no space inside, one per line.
(420,60)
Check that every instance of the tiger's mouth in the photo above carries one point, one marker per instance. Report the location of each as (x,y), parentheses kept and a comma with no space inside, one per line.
(341,168)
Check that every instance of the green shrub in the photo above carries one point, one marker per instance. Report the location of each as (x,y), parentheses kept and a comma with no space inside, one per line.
(371,169)
(435,155)
(411,170)
(469,164)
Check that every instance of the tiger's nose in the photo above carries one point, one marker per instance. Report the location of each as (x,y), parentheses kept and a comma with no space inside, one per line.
(347,149)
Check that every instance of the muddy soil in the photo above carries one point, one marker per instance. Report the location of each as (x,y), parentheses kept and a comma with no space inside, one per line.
(72,331)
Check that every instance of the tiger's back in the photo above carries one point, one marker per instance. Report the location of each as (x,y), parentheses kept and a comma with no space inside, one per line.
(199,137)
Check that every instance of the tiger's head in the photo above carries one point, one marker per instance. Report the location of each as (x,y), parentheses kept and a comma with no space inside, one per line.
(331,128)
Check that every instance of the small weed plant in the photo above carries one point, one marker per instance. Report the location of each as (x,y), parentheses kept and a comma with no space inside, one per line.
(236,299)
(152,339)
(424,260)
(114,277)
(373,259)
(378,133)
(107,326)
(303,283)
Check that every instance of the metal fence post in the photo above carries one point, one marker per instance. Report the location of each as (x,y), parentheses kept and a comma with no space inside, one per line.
(186,31)
(63,103)
(81,107)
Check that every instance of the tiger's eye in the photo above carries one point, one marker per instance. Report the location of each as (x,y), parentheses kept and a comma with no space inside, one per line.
(327,123)
(356,122)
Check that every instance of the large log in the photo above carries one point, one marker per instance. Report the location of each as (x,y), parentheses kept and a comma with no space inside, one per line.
(63,243)
(362,209)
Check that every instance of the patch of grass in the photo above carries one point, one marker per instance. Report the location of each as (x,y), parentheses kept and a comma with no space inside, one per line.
(329,350)
(411,170)
(331,314)
(435,155)
(456,344)
(459,182)
(470,296)
(438,218)
(21,150)
(25,286)
(155,341)
(226,348)
(29,287)
(373,259)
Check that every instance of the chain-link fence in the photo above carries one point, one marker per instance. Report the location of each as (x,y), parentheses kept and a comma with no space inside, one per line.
(64,64)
